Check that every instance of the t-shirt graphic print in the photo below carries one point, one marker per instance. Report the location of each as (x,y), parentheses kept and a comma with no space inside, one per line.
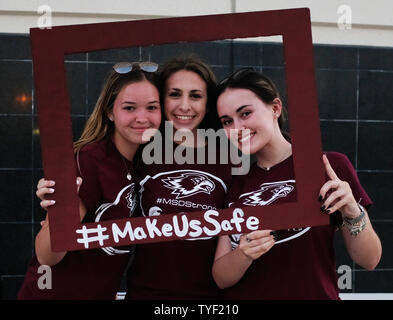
(188,189)
(269,193)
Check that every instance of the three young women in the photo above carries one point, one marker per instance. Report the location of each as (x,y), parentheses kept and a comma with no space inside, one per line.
(285,264)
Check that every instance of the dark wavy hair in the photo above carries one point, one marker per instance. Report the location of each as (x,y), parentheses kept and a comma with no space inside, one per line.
(261,85)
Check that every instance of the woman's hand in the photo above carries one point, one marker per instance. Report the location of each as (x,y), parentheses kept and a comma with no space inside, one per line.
(255,244)
(45,187)
(337,194)
(43,249)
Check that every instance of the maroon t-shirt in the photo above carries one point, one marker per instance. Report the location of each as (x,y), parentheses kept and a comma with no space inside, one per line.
(178,269)
(301,265)
(107,194)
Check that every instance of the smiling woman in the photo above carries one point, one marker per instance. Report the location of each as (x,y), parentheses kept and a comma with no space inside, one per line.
(249,266)
(185,100)
(105,154)
(188,87)
(135,110)
(181,269)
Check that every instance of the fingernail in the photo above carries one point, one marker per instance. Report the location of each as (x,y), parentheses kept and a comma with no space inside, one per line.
(323,208)
(51,190)
(274,234)
(51,183)
(52,201)
(327,211)
(320,198)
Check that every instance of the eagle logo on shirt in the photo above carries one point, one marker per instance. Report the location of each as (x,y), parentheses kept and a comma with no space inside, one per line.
(267,193)
(130,197)
(188,184)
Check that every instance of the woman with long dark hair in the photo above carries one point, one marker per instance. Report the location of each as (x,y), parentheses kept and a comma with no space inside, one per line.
(295,263)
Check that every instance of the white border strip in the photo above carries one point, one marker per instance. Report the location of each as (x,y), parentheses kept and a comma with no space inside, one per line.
(366,296)
(343,296)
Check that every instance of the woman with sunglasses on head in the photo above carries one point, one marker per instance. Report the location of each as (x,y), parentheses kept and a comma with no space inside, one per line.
(181,269)
(106,157)
(285,264)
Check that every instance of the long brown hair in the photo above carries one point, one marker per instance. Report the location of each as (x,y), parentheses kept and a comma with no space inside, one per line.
(98,126)
(194,64)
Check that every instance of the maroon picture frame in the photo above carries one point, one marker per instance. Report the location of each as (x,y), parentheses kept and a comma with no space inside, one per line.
(48,49)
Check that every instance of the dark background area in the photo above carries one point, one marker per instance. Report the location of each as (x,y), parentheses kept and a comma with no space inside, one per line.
(355,92)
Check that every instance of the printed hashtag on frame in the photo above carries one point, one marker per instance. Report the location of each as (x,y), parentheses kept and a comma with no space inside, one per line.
(100,237)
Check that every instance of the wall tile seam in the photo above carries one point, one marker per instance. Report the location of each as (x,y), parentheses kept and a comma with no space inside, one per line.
(87,86)
(357,69)
(357,110)
(15,60)
(267,66)
(335,69)
(32,237)
(374,171)
(20,222)
(356,120)
(75,115)
(375,270)
(16,169)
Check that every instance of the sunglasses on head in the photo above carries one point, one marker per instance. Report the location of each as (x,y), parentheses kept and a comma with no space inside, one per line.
(238,74)
(126,67)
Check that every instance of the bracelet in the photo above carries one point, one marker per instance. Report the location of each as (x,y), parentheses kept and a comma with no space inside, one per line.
(356,220)
(356,225)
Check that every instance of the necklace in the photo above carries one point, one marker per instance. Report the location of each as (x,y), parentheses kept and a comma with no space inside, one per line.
(128,176)
(285,155)
(265,168)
